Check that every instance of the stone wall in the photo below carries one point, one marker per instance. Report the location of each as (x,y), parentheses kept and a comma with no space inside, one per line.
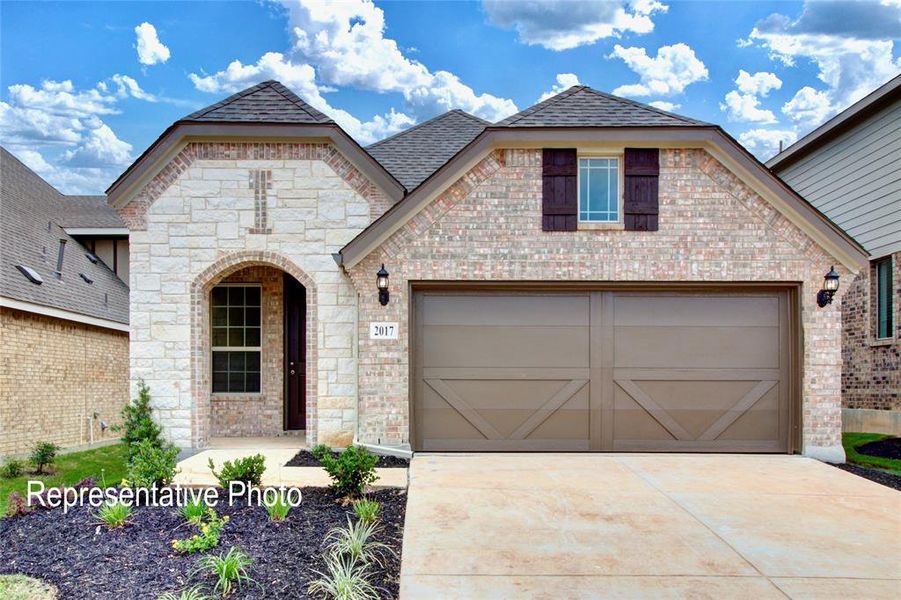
(54,375)
(487,227)
(199,220)
(871,370)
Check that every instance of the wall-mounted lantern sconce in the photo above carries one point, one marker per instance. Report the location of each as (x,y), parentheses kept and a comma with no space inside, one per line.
(830,286)
(381,281)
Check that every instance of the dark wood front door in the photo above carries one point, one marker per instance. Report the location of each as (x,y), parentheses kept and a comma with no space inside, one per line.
(295,354)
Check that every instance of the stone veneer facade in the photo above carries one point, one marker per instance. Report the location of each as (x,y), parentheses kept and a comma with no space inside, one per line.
(487,227)
(54,376)
(871,374)
(196,223)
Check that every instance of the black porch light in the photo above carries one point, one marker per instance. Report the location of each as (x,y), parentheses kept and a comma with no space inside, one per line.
(830,286)
(381,281)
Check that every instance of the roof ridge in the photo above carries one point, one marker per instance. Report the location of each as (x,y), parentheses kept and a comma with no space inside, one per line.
(424,123)
(225,101)
(299,102)
(644,106)
(471,116)
(539,106)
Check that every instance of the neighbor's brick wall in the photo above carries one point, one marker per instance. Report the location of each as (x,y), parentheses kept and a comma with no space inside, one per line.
(871,369)
(258,414)
(192,225)
(487,226)
(54,374)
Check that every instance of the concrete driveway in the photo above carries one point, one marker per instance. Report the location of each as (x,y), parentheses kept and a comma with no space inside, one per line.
(641,525)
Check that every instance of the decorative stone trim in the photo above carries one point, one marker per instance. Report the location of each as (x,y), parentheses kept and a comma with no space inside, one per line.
(200,335)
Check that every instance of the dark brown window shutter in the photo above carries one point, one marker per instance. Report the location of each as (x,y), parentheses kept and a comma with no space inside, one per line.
(640,205)
(560,202)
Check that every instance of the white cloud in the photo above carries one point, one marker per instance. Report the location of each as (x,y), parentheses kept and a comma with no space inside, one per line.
(746,107)
(764,143)
(759,84)
(99,148)
(670,72)
(564,82)
(565,24)
(150,49)
(809,106)
(127,86)
(300,78)
(664,105)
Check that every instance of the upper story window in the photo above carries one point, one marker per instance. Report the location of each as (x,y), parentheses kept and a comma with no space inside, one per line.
(599,190)
(236,333)
(884,293)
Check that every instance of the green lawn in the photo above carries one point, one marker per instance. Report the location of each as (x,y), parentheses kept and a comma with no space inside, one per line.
(852,440)
(19,587)
(106,464)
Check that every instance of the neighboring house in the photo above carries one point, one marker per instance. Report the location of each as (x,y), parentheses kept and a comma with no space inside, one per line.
(850,169)
(63,314)
(589,274)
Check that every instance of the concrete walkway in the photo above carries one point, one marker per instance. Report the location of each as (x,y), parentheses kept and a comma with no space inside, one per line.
(634,526)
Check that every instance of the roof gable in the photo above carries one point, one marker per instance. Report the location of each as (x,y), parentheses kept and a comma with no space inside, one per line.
(415,153)
(267,102)
(582,106)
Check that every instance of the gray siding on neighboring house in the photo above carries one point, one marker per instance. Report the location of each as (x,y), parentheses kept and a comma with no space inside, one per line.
(855,180)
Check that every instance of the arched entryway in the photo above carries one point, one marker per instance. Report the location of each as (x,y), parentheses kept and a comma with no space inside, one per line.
(253,316)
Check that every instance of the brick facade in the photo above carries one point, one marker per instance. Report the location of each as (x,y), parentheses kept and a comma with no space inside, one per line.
(54,376)
(193,225)
(487,227)
(871,373)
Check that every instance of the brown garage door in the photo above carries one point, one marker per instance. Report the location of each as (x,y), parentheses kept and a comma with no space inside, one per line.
(630,371)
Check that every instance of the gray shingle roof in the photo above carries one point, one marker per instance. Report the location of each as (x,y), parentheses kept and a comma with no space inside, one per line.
(582,106)
(30,234)
(414,154)
(267,102)
(88,212)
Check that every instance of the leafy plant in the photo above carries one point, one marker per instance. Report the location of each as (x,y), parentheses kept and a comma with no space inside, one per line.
(12,468)
(278,509)
(210,532)
(151,465)
(42,455)
(248,469)
(229,569)
(356,542)
(367,511)
(351,470)
(17,505)
(114,514)
(137,422)
(194,511)
(320,450)
(192,593)
(344,580)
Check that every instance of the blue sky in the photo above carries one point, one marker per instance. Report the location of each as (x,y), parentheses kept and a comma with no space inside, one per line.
(85,87)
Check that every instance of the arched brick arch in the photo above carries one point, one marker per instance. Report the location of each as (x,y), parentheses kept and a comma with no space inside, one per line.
(200,335)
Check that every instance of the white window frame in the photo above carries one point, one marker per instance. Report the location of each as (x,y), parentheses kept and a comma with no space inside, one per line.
(588,224)
(259,348)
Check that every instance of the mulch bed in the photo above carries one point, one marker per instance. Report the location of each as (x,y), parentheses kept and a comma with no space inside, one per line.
(887,479)
(86,561)
(305,458)
(887,448)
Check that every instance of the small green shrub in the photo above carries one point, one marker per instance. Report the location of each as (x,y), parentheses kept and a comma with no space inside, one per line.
(230,569)
(356,542)
(151,465)
(367,511)
(192,593)
(12,468)
(42,455)
(248,469)
(193,511)
(114,514)
(279,509)
(137,422)
(210,532)
(344,580)
(320,450)
(17,505)
(351,470)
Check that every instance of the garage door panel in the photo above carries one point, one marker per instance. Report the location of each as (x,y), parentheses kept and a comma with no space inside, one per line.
(699,311)
(698,347)
(506,310)
(526,346)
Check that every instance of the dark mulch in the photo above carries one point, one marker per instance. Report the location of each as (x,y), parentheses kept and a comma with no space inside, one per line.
(887,448)
(137,561)
(883,477)
(305,458)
